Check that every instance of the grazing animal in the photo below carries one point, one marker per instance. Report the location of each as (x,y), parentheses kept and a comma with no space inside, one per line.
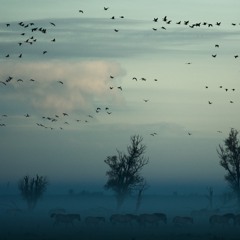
(65,218)
(125,219)
(223,220)
(56,211)
(152,219)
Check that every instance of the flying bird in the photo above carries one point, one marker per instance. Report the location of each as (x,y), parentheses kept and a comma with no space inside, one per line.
(3,83)
(209,102)
(120,88)
(116,30)
(164,19)
(106,8)
(44,52)
(214,55)
(81,11)
(53,24)
(60,82)
(65,114)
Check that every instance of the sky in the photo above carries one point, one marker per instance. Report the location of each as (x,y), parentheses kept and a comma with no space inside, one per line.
(76,85)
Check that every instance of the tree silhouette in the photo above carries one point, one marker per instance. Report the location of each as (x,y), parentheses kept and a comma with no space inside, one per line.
(124,174)
(32,189)
(229,155)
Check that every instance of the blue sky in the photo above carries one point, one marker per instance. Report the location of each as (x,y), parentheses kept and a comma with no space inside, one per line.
(85,53)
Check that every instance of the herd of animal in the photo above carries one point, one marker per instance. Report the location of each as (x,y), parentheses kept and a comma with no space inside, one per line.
(213,218)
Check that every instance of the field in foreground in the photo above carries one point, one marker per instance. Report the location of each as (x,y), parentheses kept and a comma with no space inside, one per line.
(18,223)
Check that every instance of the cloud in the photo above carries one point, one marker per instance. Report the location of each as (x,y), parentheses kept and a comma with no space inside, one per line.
(83,82)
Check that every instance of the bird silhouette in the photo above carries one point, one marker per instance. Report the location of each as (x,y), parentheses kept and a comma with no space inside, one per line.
(53,24)
(214,55)
(81,11)
(3,83)
(60,82)
(106,8)
(116,30)
(120,88)
(155,19)
(209,102)
(44,52)
(165,18)
(65,114)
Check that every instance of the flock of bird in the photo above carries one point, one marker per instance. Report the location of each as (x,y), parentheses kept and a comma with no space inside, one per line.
(28,35)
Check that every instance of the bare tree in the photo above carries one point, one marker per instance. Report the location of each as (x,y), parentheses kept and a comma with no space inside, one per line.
(229,155)
(32,189)
(124,174)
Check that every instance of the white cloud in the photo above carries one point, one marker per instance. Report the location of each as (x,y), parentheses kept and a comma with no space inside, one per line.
(83,83)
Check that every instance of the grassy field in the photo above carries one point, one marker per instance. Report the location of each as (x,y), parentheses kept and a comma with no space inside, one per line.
(38,225)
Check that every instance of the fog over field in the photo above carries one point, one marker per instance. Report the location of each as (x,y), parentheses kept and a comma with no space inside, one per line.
(19,223)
